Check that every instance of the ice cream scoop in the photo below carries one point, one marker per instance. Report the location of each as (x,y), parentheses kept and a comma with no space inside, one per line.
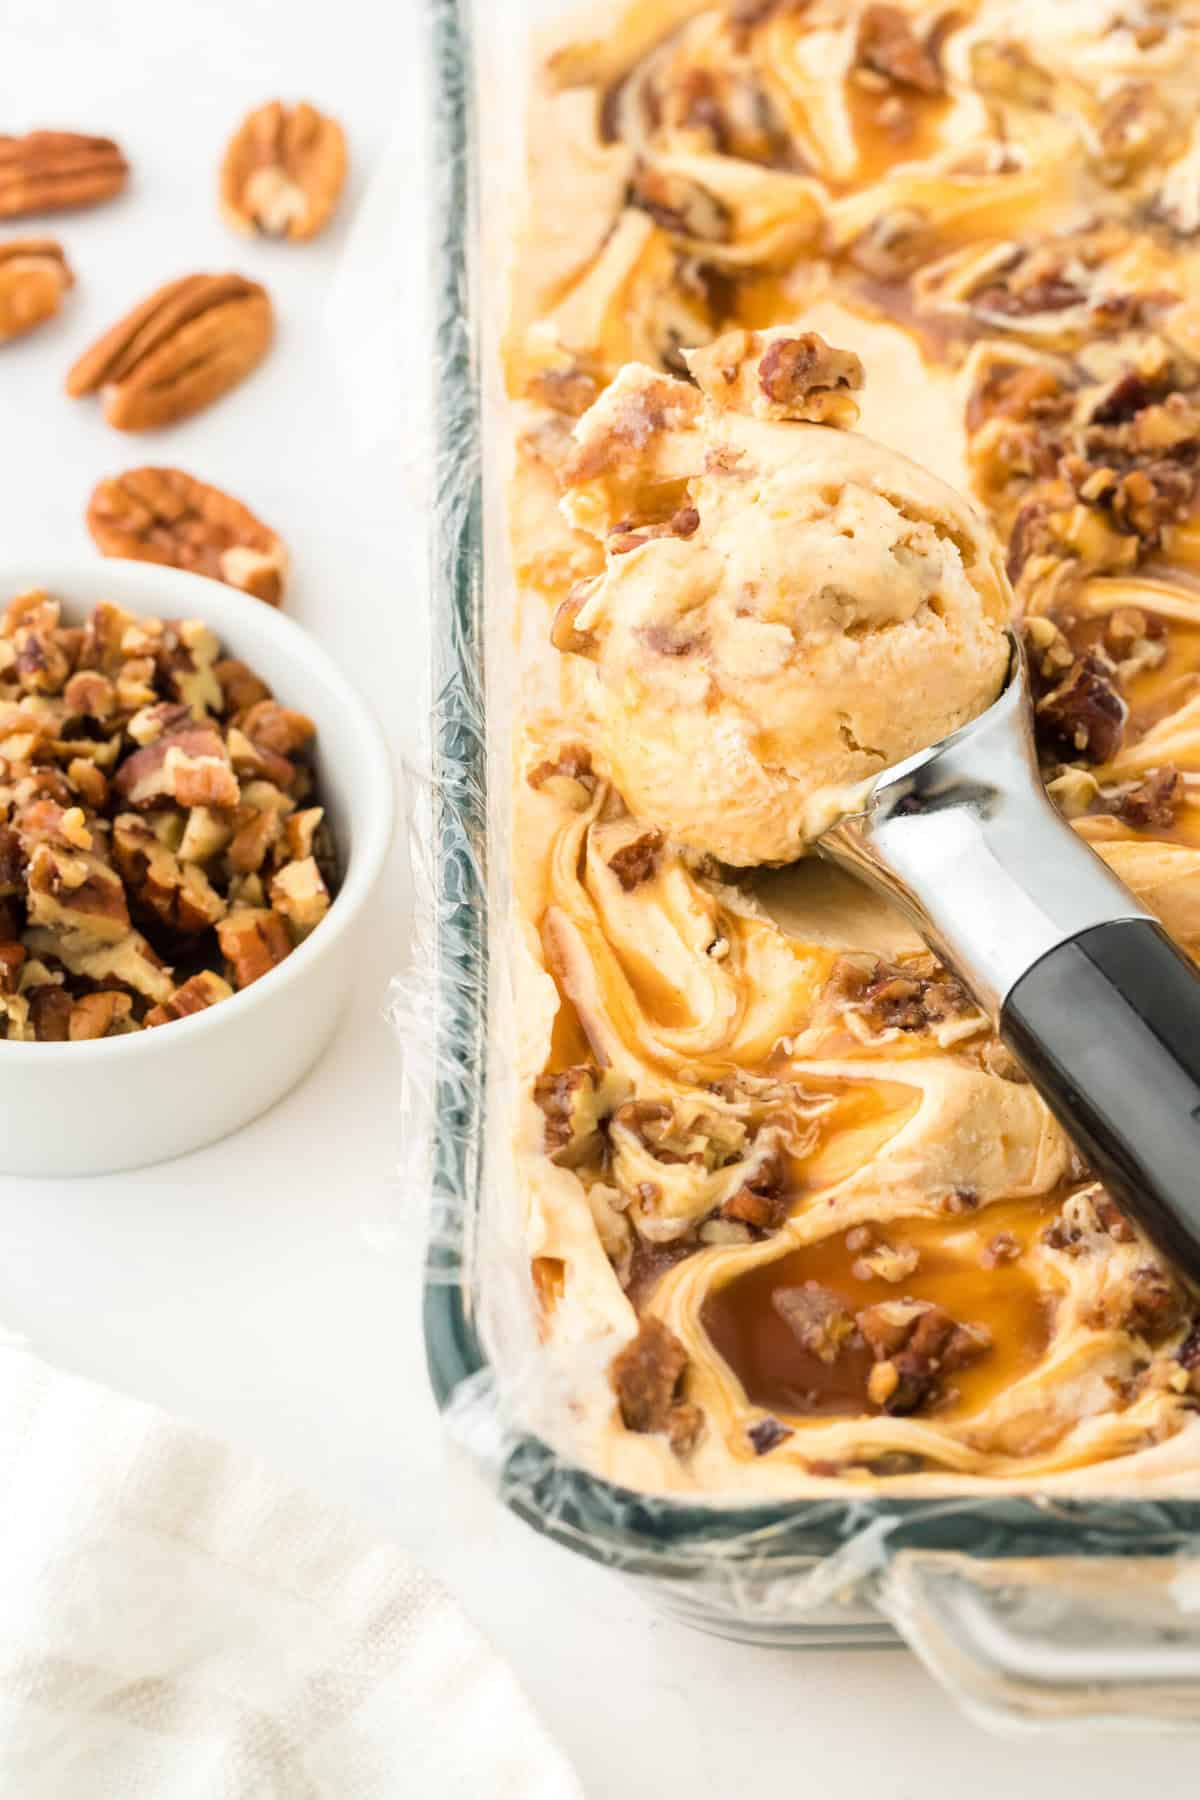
(788,616)
(1085,986)
(812,608)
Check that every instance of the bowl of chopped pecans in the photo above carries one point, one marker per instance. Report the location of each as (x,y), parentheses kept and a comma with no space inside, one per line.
(184,857)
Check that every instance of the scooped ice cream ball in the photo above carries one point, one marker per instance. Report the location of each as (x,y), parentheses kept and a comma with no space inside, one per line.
(786,608)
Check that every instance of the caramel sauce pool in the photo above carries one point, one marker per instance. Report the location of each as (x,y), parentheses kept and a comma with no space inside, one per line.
(778,1373)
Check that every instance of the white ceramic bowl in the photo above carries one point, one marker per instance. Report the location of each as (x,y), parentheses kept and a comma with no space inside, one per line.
(87,1108)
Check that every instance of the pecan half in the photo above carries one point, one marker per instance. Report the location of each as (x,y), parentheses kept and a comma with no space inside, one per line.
(283,171)
(165,516)
(177,352)
(34,276)
(51,171)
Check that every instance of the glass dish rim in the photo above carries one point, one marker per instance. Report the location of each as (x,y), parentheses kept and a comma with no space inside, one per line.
(664,1536)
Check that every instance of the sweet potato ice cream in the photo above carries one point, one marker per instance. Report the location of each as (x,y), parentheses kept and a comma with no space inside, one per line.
(794,1217)
(786,607)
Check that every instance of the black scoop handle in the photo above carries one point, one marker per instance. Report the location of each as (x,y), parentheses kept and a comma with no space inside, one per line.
(1107,1026)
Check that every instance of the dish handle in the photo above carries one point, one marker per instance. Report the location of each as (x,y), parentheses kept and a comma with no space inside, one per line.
(1041,1643)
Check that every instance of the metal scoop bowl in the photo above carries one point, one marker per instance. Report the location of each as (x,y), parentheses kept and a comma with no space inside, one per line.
(1086,988)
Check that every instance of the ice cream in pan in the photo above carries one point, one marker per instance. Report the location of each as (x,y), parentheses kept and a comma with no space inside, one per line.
(817,658)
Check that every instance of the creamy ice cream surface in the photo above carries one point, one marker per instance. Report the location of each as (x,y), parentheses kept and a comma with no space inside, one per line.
(791,1218)
(786,607)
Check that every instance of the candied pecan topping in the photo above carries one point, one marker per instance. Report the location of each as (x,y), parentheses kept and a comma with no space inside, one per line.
(1113,1219)
(682,524)
(573,763)
(915,1345)
(679,204)
(1084,715)
(818,1318)
(647,1376)
(1087,1217)
(569,391)
(558,1096)
(766,1434)
(888,45)
(1003,1248)
(1189,1350)
(1150,806)
(762,1200)
(1006,70)
(794,367)
(1018,391)
(893,998)
(637,862)
(1054,293)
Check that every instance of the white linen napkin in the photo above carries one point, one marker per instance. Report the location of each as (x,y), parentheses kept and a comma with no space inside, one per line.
(178,1624)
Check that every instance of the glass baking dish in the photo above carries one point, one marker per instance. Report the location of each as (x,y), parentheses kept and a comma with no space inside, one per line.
(1032,1610)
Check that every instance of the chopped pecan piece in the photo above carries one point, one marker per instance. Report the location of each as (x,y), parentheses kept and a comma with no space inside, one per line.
(573,763)
(72,890)
(886,1262)
(680,205)
(177,352)
(240,687)
(1003,1248)
(569,390)
(647,1376)
(12,956)
(891,997)
(569,1101)
(54,171)
(164,516)
(637,861)
(283,171)
(1084,716)
(796,371)
(821,1321)
(34,276)
(889,46)
(1006,70)
(915,1344)
(762,1201)
(193,996)
(682,524)
(99,1015)
(1132,129)
(299,894)
(270,726)
(190,766)
(50,1009)
(1149,1301)
(1051,294)
(12,862)
(179,895)
(253,941)
(1150,806)
(766,1434)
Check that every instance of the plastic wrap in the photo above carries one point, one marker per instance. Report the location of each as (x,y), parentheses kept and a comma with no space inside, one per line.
(1032,1609)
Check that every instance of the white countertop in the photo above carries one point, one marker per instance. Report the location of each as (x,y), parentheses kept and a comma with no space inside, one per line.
(268,1288)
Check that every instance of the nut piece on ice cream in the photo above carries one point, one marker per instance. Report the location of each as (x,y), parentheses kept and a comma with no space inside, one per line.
(786,609)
